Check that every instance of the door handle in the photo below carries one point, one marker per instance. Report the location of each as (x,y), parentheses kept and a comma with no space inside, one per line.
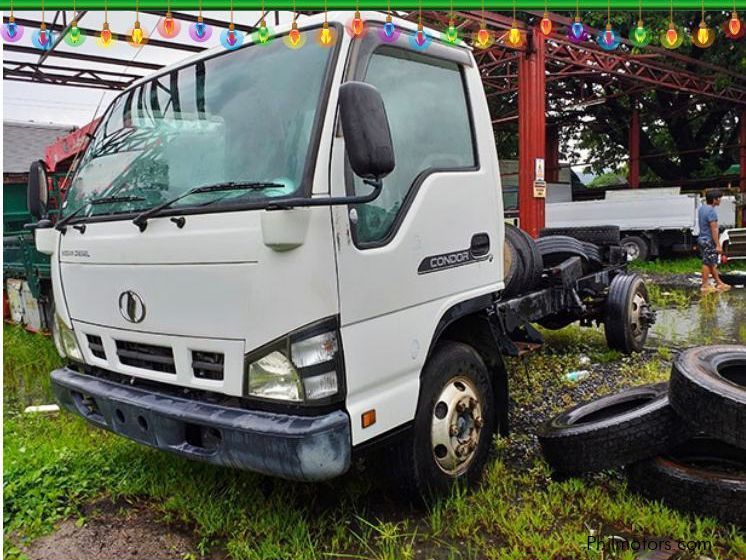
(480,244)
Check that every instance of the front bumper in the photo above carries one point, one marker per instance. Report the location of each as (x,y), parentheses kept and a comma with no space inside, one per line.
(294,447)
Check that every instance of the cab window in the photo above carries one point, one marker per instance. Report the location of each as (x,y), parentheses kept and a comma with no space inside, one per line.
(426,105)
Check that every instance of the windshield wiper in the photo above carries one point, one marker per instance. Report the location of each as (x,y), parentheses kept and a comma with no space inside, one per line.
(62,224)
(141,220)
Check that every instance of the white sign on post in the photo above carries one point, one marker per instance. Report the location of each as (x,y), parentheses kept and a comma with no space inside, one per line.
(539,170)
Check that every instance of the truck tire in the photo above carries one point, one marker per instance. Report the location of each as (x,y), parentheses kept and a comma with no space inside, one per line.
(708,389)
(612,431)
(594,254)
(637,248)
(513,261)
(453,425)
(702,475)
(529,268)
(600,235)
(558,248)
(626,313)
(535,266)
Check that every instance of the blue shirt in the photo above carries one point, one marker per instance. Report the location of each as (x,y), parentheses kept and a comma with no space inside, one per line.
(705,215)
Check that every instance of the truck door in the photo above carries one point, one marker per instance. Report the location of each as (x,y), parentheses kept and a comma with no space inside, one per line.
(434,236)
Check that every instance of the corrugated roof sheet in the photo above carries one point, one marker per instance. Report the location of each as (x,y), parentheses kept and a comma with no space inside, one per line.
(24,142)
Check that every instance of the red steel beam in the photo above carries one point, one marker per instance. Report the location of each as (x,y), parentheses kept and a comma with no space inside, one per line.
(634,146)
(531,130)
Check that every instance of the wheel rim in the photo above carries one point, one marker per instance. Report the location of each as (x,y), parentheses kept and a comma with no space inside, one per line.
(633,251)
(456,426)
(637,307)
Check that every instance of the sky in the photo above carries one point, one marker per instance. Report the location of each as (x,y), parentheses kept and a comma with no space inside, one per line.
(77,106)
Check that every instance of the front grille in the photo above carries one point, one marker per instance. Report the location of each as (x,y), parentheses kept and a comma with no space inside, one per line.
(208,365)
(146,356)
(96,346)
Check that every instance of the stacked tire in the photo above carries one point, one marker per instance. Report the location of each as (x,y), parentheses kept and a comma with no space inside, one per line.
(599,243)
(523,264)
(683,443)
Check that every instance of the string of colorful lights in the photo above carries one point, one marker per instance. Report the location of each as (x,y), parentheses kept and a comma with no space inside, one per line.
(169,27)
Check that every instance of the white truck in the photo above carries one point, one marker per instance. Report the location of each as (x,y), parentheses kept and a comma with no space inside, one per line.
(651,221)
(274,258)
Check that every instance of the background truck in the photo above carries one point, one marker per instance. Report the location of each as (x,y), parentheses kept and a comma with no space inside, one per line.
(278,278)
(652,221)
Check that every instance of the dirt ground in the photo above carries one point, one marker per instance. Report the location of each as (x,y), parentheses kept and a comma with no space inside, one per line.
(115,531)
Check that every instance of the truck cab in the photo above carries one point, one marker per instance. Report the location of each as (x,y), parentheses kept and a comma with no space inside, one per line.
(276,256)
(240,326)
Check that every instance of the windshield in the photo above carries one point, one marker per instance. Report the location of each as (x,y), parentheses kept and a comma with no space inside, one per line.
(242,116)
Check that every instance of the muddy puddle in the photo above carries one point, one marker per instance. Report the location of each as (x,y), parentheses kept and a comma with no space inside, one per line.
(685,318)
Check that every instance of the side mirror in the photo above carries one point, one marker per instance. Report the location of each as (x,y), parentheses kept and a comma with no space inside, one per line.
(38,189)
(366,130)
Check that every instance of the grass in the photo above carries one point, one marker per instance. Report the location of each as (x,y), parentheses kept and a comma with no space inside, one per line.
(53,465)
(688,265)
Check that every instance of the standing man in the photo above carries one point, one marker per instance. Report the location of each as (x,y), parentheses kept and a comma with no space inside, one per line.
(709,241)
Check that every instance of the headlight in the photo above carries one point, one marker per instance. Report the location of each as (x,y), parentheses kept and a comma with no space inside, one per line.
(305,366)
(64,340)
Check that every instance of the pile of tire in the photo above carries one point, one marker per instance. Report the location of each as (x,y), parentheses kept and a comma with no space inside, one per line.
(555,249)
(682,442)
(523,264)
(596,243)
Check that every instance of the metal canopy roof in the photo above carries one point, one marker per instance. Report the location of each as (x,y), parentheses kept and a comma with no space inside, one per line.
(85,66)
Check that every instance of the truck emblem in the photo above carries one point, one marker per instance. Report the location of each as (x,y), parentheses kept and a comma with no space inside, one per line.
(131,307)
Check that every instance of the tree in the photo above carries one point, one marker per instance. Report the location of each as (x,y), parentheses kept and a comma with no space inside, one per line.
(683,136)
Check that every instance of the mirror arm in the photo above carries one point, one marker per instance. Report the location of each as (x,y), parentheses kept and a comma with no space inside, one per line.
(291,203)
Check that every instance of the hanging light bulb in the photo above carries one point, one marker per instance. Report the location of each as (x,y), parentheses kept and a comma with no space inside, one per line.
(577,33)
(640,37)
(326,37)
(420,40)
(74,36)
(451,33)
(704,37)
(12,32)
(671,38)
(734,27)
(514,37)
(420,37)
(262,35)
(136,35)
(105,38)
(199,31)
(546,24)
(42,38)
(169,27)
(608,40)
(230,38)
(734,24)
(356,26)
(294,36)
(483,38)
(389,32)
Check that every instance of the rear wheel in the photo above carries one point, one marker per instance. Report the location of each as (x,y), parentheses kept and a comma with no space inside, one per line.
(453,426)
(636,247)
(627,314)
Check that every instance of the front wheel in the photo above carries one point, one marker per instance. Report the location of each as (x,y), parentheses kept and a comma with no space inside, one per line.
(453,426)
